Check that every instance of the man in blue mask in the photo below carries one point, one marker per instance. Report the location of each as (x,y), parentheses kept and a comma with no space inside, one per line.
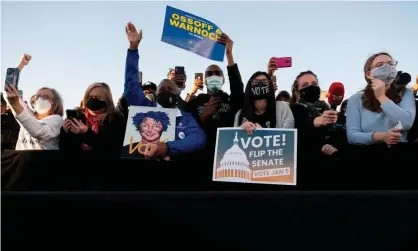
(215,108)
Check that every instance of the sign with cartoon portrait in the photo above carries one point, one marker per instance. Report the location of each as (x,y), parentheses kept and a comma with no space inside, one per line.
(147,125)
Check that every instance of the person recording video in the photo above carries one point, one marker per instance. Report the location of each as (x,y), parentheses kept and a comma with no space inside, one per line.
(40,128)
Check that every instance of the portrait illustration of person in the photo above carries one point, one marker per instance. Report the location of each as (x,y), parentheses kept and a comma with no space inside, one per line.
(150,126)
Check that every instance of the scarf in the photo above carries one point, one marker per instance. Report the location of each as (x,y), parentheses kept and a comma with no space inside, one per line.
(93,122)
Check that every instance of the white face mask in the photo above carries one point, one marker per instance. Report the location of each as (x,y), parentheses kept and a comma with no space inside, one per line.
(214,83)
(42,106)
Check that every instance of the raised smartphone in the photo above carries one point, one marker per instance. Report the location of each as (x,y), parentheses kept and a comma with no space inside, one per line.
(12,77)
(179,70)
(199,75)
(284,62)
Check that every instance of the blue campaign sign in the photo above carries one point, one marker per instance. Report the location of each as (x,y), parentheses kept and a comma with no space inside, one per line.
(192,33)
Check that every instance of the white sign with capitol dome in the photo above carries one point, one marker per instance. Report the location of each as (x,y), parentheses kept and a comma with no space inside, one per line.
(268,156)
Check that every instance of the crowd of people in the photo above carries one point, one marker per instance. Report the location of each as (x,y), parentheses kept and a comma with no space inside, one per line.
(383,113)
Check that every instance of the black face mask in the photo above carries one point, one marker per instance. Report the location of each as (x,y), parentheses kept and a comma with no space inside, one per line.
(310,93)
(167,99)
(260,91)
(95,104)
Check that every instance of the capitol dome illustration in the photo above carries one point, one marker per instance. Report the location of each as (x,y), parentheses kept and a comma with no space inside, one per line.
(234,165)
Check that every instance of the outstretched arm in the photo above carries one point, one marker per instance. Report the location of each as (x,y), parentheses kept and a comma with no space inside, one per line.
(235,81)
(132,88)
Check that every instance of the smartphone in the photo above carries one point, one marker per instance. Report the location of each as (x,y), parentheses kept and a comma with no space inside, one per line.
(283,62)
(140,77)
(12,76)
(20,93)
(179,70)
(72,113)
(199,75)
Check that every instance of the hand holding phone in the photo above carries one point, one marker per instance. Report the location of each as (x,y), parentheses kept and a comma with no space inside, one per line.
(199,76)
(72,113)
(12,77)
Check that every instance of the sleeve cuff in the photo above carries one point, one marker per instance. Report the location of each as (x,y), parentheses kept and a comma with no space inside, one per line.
(24,115)
(233,67)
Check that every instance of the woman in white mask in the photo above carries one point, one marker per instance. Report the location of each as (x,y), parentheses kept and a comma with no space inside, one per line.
(383,112)
(39,129)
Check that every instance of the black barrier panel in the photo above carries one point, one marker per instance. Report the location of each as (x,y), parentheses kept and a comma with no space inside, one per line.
(357,168)
(211,221)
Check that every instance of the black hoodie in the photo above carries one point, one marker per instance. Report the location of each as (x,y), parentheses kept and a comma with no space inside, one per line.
(225,116)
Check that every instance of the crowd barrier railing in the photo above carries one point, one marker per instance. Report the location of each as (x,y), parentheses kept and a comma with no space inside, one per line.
(374,167)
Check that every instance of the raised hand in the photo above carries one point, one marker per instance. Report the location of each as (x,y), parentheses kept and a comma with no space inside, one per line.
(224,39)
(25,59)
(198,84)
(134,37)
(271,67)
(12,94)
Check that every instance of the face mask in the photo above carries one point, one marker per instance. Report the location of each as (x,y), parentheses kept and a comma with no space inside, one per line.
(386,73)
(214,83)
(42,106)
(150,96)
(260,91)
(167,99)
(310,93)
(95,104)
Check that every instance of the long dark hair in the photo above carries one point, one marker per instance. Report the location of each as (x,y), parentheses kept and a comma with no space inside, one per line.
(248,109)
(369,99)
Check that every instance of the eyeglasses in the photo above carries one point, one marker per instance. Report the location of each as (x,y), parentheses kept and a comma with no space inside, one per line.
(37,96)
(381,64)
(214,73)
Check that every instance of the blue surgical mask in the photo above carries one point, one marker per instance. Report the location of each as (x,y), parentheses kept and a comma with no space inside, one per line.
(214,83)
(386,73)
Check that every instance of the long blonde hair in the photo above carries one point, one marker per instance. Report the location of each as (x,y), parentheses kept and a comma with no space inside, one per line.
(110,106)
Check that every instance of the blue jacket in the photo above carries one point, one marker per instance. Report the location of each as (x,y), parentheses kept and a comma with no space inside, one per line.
(193,138)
